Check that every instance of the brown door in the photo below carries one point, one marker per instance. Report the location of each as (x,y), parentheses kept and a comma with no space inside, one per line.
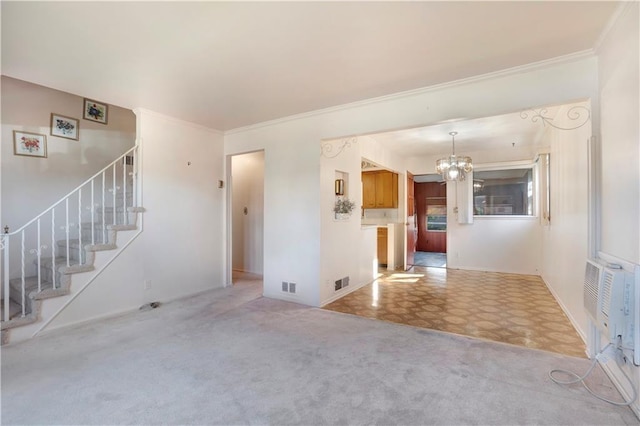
(431,206)
(412,230)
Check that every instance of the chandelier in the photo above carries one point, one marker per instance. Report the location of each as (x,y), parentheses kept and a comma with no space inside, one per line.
(454,167)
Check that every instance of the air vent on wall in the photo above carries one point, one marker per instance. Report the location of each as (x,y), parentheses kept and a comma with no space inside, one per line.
(288,287)
(341,283)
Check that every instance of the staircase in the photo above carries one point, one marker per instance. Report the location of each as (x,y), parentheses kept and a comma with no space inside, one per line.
(50,260)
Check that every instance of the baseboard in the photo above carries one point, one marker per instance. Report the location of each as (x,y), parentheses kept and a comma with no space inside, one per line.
(342,292)
(572,320)
(118,313)
(613,371)
(86,321)
(499,271)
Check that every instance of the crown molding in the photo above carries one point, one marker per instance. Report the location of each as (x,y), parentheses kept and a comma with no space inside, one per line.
(572,57)
(139,111)
(622,9)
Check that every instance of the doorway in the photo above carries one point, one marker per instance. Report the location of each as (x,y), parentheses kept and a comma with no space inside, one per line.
(246,218)
(431,218)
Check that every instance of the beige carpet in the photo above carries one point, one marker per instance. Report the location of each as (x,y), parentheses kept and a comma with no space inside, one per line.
(230,357)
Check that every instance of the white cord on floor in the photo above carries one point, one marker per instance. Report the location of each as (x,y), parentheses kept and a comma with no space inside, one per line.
(580,379)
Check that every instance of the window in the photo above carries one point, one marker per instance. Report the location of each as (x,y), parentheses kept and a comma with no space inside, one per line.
(436,214)
(503,192)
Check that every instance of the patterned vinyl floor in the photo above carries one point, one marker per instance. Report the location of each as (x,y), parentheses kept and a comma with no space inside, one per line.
(509,308)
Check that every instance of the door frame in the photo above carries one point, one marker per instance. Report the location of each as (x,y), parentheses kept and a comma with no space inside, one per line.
(228,211)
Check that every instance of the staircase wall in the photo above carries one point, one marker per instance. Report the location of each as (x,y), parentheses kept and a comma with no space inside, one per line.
(180,251)
(30,185)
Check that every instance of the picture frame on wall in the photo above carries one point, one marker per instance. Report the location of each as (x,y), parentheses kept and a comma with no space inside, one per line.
(64,127)
(95,111)
(29,144)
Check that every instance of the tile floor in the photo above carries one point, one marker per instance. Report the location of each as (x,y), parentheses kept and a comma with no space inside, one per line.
(423,258)
(509,308)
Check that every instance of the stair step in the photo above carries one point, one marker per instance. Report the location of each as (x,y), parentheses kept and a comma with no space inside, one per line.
(15,309)
(62,273)
(30,285)
(74,243)
(45,262)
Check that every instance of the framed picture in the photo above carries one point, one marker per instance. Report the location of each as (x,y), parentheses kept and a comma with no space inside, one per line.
(64,127)
(29,144)
(95,111)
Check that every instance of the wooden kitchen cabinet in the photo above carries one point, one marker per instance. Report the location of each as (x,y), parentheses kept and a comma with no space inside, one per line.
(382,246)
(379,190)
(369,190)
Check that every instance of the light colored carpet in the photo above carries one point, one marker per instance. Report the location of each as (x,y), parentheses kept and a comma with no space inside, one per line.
(230,357)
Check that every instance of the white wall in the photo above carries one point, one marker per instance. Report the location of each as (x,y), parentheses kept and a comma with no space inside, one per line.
(183,248)
(28,107)
(498,244)
(565,238)
(291,207)
(341,239)
(180,251)
(619,196)
(292,154)
(247,187)
(619,109)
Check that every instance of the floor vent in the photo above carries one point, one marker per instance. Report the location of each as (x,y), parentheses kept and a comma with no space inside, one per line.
(288,287)
(341,283)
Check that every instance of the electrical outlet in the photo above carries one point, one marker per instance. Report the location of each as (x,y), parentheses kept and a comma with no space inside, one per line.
(292,287)
(285,286)
(147,284)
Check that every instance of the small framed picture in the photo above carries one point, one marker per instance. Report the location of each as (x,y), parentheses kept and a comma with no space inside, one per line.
(95,111)
(64,127)
(29,144)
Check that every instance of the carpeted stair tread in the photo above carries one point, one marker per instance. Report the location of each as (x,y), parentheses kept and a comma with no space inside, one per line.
(81,252)
(45,262)
(15,309)
(30,284)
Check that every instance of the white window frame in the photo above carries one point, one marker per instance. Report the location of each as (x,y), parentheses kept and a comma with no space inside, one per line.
(512,165)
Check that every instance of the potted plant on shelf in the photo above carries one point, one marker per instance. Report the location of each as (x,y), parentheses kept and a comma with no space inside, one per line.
(343,208)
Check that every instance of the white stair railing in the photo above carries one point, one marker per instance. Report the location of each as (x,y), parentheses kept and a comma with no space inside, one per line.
(33,254)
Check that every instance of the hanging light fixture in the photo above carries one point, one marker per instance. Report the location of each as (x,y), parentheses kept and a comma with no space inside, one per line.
(454,167)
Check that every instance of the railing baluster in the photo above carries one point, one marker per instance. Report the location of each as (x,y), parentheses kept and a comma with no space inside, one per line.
(124,191)
(67,228)
(5,243)
(80,226)
(39,254)
(114,194)
(93,239)
(129,166)
(23,277)
(134,188)
(104,224)
(53,246)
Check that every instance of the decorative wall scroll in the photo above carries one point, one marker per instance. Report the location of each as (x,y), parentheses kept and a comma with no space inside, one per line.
(328,150)
(579,114)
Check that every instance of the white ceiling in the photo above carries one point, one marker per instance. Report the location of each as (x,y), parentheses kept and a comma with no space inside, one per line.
(519,129)
(225,65)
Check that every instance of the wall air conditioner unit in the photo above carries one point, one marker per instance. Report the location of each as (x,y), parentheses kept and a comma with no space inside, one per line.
(609,301)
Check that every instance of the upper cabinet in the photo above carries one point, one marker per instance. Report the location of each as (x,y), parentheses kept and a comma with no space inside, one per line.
(379,190)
